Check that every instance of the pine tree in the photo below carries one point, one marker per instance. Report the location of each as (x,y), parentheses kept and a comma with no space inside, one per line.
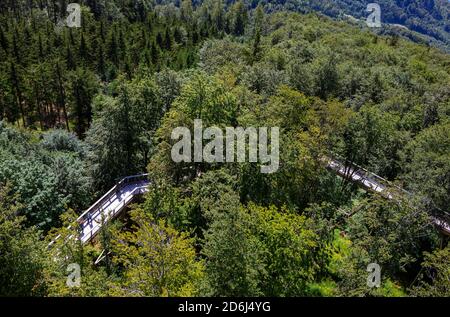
(101,63)
(83,86)
(40,48)
(83,50)
(186,11)
(159,40)
(61,94)
(259,19)
(177,35)
(155,53)
(218,15)
(14,77)
(168,40)
(3,40)
(16,51)
(23,254)
(113,50)
(70,59)
(239,12)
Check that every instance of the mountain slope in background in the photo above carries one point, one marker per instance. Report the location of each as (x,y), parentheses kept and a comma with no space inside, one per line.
(426,17)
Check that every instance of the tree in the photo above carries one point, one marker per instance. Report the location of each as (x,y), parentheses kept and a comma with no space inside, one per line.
(120,138)
(390,233)
(159,40)
(155,53)
(3,40)
(22,253)
(168,40)
(218,15)
(434,276)
(62,141)
(204,97)
(427,166)
(83,87)
(258,24)
(186,11)
(169,84)
(83,50)
(327,80)
(238,18)
(48,177)
(61,99)
(113,49)
(233,258)
(371,140)
(158,260)
(8,107)
(252,250)
(15,80)
(290,250)
(348,273)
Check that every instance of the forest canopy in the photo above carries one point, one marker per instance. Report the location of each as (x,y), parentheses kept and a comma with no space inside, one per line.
(82,108)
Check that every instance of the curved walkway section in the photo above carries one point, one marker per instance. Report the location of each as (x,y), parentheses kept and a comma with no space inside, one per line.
(111,205)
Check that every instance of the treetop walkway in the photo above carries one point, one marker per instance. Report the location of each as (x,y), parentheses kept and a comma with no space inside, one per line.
(123,193)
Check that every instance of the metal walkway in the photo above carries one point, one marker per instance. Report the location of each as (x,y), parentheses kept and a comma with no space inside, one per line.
(110,206)
(123,193)
(372,182)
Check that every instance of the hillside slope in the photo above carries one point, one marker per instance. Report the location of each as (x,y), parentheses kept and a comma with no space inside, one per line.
(429,18)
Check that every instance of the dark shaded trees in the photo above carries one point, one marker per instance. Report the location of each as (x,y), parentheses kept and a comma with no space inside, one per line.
(83,87)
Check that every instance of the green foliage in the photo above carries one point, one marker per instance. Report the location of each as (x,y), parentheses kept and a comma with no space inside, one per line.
(433,280)
(427,165)
(158,260)
(23,258)
(53,82)
(234,265)
(289,248)
(257,251)
(135,71)
(390,232)
(427,18)
(60,140)
(82,87)
(347,268)
(65,250)
(120,138)
(48,176)
(204,97)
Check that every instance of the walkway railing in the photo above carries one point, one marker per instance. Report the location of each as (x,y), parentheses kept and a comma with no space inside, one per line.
(112,192)
(371,181)
(109,206)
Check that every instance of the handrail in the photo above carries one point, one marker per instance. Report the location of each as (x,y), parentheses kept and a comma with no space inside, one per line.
(108,194)
(366,175)
(103,199)
(98,202)
(387,182)
(112,215)
(355,169)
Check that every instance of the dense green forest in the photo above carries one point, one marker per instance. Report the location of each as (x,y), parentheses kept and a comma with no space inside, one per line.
(80,108)
(426,17)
